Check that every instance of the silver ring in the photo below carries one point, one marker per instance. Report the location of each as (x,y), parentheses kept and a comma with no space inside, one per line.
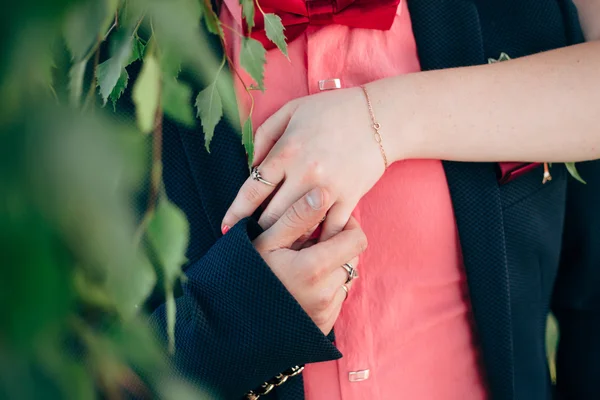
(255,174)
(346,290)
(352,272)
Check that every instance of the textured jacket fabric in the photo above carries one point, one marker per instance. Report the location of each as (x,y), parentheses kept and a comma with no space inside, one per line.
(237,325)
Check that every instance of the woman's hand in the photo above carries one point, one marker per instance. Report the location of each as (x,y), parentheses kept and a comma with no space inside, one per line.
(324,140)
(313,275)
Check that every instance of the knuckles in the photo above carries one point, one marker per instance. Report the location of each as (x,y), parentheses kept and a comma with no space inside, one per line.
(314,275)
(291,147)
(314,172)
(294,216)
(252,194)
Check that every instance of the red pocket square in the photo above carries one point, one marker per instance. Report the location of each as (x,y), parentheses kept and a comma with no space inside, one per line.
(512,170)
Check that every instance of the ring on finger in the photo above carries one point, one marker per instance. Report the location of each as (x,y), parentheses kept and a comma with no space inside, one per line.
(352,272)
(346,290)
(255,175)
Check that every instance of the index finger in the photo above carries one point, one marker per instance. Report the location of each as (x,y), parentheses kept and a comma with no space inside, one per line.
(257,188)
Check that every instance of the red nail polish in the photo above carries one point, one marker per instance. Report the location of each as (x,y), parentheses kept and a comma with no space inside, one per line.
(224,229)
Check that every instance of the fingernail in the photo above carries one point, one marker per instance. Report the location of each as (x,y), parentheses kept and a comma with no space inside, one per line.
(225,229)
(315,198)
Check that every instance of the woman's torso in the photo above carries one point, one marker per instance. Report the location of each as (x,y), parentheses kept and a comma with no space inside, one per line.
(407,320)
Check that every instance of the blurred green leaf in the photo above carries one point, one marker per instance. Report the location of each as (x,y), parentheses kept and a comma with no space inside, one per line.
(110,71)
(92,293)
(43,272)
(248,140)
(252,59)
(180,390)
(552,335)
(274,30)
(176,101)
(76,74)
(176,25)
(129,283)
(248,12)
(146,94)
(86,23)
(168,233)
(171,315)
(211,20)
(170,62)
(210,111)
(573,171)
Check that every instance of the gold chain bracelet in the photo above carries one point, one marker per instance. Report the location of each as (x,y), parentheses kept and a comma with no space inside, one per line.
(376,125)
(271,384)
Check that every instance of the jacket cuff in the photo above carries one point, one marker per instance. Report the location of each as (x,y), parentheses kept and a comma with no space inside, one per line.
(237,325)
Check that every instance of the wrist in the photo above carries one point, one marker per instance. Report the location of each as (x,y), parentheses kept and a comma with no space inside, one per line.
(393,103)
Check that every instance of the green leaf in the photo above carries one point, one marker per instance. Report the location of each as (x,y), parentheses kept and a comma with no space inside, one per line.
(119,88)
(86,23)
(130,284)
(175,389)
(146,94)
(573,171)
(274,30)
(252,59)
(176,101)
(248,12)
(210,111)
(76,74)
(552,335)
(137,51)
(170,62)
(211,20)
(168,233)
(248,140)
(171,316)
(110,71)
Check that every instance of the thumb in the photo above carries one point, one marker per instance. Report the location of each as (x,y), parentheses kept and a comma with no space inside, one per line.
(300,218)
(271,130)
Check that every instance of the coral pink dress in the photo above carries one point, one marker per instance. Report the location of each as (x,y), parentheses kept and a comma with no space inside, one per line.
(405,330)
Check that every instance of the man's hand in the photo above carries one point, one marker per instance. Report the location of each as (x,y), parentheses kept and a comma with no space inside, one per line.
(313,275)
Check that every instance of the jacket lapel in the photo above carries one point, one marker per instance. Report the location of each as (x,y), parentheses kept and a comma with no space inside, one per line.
(448,35)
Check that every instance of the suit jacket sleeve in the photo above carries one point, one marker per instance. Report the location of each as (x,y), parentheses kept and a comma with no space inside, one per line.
(576,302)
(237,326)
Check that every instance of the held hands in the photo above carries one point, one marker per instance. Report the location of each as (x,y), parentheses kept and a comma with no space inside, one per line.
(324,140)
(313,275)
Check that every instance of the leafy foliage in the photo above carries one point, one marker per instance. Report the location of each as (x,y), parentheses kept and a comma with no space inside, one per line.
(168,233)
(110,71)
(573,171)
(146,94)
(84,24)
(247,140)
(176,101)
(248,12)
(210,111)
(253,59)
(274,30)
(80,262)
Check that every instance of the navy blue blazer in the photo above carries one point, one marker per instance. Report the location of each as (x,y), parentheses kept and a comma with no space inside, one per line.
(237,326)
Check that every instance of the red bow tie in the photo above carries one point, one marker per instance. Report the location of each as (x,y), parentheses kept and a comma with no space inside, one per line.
(297,15)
